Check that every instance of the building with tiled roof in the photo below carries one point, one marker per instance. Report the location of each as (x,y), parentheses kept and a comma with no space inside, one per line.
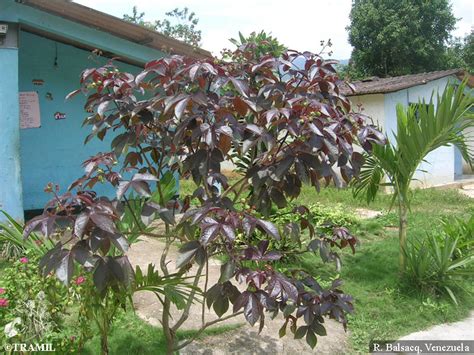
(378,97)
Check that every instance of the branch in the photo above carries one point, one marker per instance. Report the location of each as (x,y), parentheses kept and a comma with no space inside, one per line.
(206,275)
(208,324)
(192,295)
(163,266)
(234,186)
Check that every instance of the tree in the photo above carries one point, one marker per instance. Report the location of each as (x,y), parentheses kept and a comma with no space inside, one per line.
(183,116)
(460,53)
(397,37)
(468,52)
(179,24)
(419,132)
(262,43)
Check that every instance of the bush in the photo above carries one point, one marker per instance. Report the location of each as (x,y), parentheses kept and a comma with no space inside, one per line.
(320,216)
(12,243)
(33,309)
(433,267)
(463,230)
(315,219)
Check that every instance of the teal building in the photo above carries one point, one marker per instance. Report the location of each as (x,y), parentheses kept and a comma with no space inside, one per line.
(44,46)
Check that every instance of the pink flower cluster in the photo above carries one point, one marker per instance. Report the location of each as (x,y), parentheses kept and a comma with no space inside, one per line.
(3,301)
(24,260)
(80,280)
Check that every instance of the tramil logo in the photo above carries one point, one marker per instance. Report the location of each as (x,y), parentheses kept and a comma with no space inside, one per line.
(29,347)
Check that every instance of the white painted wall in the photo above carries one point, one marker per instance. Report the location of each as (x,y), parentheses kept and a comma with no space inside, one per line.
(372,106)
(440,166)
(466,169)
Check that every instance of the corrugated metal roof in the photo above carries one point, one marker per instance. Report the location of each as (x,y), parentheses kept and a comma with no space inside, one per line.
(377,85)
(115,26)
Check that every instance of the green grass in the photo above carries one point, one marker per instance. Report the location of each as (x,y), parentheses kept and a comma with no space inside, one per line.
(131,335)
(421,199)
(384,308)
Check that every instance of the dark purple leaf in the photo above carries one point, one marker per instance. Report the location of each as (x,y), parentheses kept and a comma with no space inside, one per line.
(269,228)
(65,268)
(209,233)
(240,86)
(187,252)
(252,309)
(81,224)
(103,221)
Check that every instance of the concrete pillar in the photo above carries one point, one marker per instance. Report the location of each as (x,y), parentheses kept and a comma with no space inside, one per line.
(11,192)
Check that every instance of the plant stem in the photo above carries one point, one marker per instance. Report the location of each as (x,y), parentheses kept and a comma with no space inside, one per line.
(234,186)
(208,324)
(104,345)
(169,334)
(206,275)
(192,295)
(165,320)
(402,234)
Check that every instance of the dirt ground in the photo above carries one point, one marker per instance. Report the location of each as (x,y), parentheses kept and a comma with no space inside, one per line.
(468,190)
(365,213)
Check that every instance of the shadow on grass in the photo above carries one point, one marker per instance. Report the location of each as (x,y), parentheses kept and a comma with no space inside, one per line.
(132,335)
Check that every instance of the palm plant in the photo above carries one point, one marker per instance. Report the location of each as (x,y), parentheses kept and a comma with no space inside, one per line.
(12,243)
(432,265)
(419,132)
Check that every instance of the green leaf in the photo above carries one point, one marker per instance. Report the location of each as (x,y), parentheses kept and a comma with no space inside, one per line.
(175,297)
(282,331)
(311,339)
(221,305)
(227,271)
(319,329)
(300,332)
(451,294)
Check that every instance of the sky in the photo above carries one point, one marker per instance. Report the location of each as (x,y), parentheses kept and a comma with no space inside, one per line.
(299,24)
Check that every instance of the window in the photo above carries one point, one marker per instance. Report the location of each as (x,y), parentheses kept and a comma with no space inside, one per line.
(418,107)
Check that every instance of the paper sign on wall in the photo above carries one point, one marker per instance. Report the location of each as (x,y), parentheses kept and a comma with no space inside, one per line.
(29,110)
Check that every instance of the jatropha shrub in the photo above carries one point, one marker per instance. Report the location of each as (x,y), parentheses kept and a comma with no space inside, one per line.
(290,122)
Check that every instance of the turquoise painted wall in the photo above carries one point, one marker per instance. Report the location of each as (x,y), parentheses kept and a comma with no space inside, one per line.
(54,152)
(10,175)
(13,11)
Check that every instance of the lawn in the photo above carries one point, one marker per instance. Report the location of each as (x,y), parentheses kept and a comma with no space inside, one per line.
(132,335)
